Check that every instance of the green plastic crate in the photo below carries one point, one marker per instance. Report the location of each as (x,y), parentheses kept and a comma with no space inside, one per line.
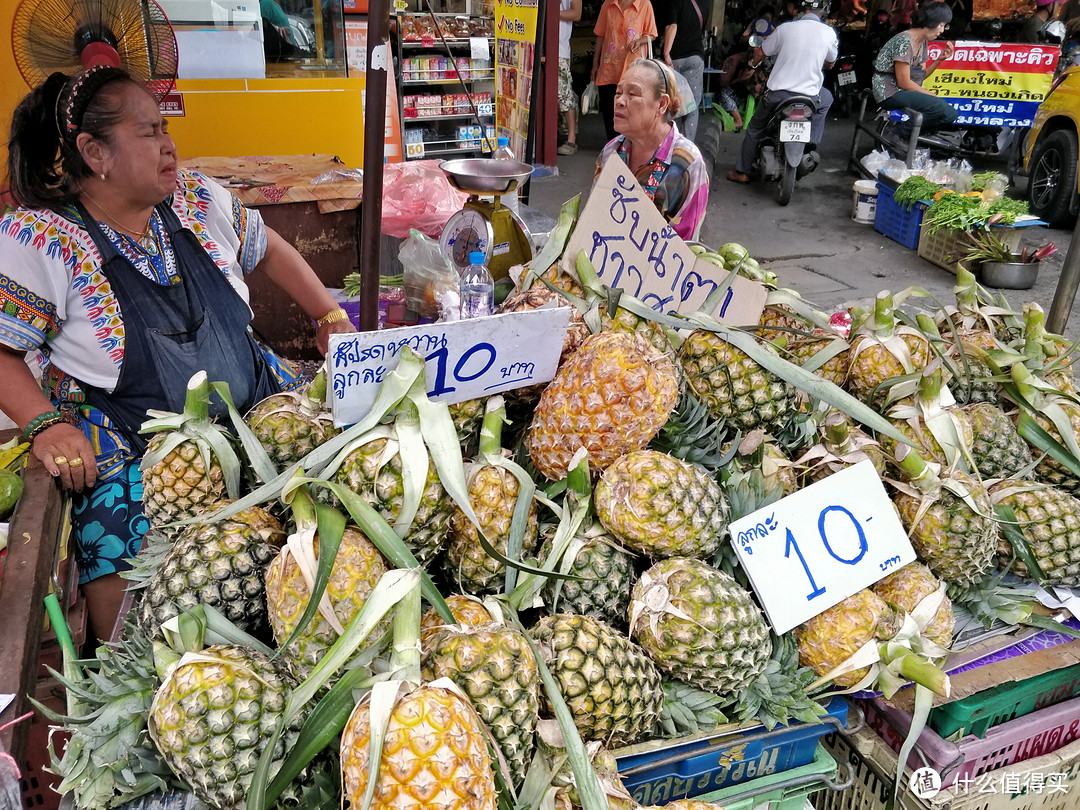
(787,790)
(1000,704)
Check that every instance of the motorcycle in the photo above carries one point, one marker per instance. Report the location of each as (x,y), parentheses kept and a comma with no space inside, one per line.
(842,80)
(782,154)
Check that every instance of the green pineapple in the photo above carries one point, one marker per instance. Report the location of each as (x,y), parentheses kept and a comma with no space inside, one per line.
(996,447)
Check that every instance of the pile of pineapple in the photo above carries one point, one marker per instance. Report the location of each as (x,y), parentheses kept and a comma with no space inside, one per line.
(570,544)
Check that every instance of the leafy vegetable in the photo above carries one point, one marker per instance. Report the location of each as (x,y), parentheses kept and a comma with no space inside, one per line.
(914,189)
(980,180)
(964,213)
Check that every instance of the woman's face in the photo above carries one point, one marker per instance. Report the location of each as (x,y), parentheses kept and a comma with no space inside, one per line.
(140,156)
(637,107)
(937,31)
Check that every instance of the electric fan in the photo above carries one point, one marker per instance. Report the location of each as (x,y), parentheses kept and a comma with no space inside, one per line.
(73,35)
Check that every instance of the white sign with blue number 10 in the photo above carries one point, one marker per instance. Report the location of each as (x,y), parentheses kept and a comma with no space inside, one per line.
(815,548)
(462,359)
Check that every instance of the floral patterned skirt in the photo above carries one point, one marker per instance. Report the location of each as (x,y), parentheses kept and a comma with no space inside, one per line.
(108,524)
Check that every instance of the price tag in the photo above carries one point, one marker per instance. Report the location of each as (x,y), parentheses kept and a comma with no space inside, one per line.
(487,109)
(478,48)
(427,42)
(815,548)
(400,5)
(462,359)
(414,150)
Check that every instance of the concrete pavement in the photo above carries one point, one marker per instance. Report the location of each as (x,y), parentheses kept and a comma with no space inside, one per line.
(812,244)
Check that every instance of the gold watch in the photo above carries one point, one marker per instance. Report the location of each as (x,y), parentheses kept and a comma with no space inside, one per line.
(333,316)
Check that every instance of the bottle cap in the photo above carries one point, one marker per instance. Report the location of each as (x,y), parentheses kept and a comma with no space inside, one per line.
(503,140)
(476,257)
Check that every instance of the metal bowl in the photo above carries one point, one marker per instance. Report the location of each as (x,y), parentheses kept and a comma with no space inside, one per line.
(1009,275)
(484,174)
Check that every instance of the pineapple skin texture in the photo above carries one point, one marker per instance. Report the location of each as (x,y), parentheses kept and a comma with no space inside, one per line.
(907,587)
(180,486)
(1050,521)
(873,364)
(211,720)
(434,755)
(660,506)
(830,638)
(468,612)
(494,665)
(725,645)
(611,397)
(996,447)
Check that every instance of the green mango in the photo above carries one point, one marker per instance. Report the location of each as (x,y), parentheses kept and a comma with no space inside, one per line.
(11,487)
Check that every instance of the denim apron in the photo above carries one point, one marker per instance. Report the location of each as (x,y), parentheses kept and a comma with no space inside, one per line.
(197,323)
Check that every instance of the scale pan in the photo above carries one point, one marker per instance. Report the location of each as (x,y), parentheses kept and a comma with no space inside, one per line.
(484,174)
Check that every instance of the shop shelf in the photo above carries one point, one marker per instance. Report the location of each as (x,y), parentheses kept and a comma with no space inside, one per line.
(896,222)
(486,76)
(992,707)
(1050,782)
(959,762)
(666,770)
(442,117)
(789,790)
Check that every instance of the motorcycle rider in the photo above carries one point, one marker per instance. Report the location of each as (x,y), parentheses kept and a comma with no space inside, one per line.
(804,48)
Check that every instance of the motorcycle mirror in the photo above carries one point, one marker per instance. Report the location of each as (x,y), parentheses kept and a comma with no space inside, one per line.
(756,41)
(1053,31)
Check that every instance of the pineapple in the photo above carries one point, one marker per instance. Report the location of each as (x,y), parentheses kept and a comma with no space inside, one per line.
(610,397)
(932,422)
(831,638)
(1064,427)
(996,447)
(842,445)
(1049,519)
(610,685)
(468,610)
(467,417)
(661,507)
(221,564)
(291,424)
(949,518)
(607,570)
(626,321)
(357,568)
(907,588)
(213,715)
(733,386)
(699,625)
(493,493)
(881,350)
(494,665)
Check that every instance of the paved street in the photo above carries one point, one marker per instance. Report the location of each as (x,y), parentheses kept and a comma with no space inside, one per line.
(812,244)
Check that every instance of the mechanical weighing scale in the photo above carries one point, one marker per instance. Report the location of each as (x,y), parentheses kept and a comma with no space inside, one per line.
(486,225)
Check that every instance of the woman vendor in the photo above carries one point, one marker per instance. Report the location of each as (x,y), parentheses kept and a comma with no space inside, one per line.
(125,274)
(903,63)
(667,165)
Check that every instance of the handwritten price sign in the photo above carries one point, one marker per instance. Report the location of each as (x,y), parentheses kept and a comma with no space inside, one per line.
(634,249)
(462,359)
(815,548)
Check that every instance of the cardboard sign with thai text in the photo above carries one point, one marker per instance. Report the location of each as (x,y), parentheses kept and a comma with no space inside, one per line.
(818,546)
(994,84)
(462,359)
(634,249)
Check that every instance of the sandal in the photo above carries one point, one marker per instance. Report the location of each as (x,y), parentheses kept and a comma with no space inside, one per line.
(567,149)
(738,177)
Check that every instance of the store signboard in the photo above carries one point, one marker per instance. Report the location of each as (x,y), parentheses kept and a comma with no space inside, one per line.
(172,104)
(462,359)
(356,59)
(994,84)
(515,46)
(816,547)
(633,248)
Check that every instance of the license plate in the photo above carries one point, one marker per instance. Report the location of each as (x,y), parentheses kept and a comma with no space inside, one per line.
(797,131)
(847,77)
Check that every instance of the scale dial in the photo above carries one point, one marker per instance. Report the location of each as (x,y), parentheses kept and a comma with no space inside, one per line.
(464,232)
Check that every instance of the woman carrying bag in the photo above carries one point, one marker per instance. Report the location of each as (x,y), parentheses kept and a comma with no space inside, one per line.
(624,32)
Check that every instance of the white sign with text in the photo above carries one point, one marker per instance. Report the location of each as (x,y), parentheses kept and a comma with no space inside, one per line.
(634,249)
(462,359)
(818,546)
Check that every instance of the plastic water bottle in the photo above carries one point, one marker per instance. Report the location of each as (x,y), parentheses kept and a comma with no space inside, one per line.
(503,152)
(477,288)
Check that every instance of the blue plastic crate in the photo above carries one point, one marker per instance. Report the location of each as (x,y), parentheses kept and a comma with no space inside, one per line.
(895,221)
(676,769)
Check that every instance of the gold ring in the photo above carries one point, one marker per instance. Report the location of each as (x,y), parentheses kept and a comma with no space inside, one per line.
(60,460)
(76,462)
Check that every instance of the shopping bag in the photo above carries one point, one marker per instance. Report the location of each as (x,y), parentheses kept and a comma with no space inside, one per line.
(686,95)
(590,99)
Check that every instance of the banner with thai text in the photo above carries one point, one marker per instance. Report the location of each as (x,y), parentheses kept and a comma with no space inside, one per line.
(994,84)
(515,44)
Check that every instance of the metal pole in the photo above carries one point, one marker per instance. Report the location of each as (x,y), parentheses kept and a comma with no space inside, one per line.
(1065,293)
(378,64)
(534,94)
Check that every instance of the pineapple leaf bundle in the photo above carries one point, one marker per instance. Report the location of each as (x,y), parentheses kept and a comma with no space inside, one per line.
(688,710)
(779,694)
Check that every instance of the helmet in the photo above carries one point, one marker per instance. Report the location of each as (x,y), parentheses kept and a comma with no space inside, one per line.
(1053,32)
(820,7)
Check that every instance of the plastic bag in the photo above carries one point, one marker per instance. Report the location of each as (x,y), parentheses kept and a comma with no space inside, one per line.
(873,161)
(686,95)
(430,281)
(590,99)
(338,175)
(416,194)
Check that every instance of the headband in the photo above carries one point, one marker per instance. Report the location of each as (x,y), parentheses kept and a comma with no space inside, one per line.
(83,87)
(663,73)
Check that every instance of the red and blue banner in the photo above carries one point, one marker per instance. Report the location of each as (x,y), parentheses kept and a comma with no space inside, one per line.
(994,84)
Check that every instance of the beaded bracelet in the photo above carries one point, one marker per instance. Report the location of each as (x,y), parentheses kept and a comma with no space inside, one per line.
(42,422)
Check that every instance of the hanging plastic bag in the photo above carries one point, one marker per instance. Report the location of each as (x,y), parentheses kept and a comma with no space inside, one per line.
(686,95)
(590,99)
(430,281)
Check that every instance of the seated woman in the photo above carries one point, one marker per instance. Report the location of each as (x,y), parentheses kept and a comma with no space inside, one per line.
(667,165)
(901,68)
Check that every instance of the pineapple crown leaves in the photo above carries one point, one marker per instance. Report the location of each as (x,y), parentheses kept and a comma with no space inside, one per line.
(925,483)
(779,694)
(693,435)
(689,710)
(556,243)
(989,600)
(1035,396)
(935,408)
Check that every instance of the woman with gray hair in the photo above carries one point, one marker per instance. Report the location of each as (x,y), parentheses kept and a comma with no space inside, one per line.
(668,165)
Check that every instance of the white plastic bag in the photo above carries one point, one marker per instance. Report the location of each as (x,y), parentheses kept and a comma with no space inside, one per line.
(590,99)
(686,95)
